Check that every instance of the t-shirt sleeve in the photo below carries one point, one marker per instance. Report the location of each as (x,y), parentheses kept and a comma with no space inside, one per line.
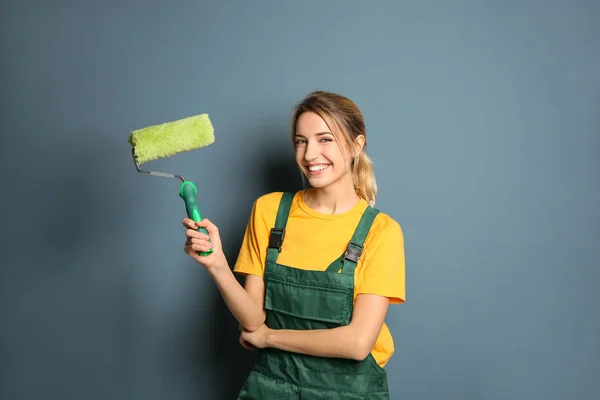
(251,257)
(384,266)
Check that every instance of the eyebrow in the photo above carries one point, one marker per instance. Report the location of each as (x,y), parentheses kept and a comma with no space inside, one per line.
(317,134)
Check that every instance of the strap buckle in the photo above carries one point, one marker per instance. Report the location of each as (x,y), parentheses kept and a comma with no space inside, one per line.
(276,238)
(353,252)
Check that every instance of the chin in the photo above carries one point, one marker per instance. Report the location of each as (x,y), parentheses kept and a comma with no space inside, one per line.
(319,183)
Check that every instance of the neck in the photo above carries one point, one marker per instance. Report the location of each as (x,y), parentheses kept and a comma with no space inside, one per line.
(337,198)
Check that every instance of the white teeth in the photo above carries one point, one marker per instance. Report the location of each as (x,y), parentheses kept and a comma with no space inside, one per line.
(315,168)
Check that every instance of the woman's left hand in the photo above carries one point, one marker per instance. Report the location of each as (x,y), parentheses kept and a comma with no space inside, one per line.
(257,338)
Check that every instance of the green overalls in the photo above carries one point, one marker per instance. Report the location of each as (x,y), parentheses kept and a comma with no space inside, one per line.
(299,299)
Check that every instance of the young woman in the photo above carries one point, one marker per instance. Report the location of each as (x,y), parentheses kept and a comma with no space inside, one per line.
(321,267)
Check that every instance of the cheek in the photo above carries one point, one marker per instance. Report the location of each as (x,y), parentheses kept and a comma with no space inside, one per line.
(299,156)
(337,158)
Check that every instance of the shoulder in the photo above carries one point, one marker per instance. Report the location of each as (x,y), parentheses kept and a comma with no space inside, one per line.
(384,245)
(268,201)
(267,204)
(386,228)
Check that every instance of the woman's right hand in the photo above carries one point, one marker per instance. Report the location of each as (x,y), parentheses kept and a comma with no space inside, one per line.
(199,242)
(245,344)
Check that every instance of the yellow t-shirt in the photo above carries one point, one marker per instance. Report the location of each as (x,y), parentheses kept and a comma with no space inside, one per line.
(313,240)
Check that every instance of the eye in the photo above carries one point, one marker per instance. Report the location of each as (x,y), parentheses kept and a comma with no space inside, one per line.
(325,139)
(299,142)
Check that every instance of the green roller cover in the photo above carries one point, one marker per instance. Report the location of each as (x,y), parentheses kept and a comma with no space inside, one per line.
(164,140)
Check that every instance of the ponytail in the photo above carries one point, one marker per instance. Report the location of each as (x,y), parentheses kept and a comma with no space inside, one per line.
(363,175)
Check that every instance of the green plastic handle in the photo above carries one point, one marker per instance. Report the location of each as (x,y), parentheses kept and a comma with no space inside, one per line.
(188,193)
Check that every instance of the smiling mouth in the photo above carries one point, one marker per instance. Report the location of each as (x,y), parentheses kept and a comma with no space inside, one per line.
(317,169)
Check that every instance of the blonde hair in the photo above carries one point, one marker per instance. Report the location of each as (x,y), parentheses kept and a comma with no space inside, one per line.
(344,119)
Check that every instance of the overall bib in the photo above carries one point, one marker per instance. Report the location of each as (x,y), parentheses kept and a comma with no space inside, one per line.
(300,299)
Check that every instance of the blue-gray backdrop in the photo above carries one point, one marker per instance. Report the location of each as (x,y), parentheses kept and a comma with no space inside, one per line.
(484,127)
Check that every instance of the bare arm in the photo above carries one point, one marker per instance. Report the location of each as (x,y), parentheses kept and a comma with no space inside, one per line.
(354,341)
(244,303)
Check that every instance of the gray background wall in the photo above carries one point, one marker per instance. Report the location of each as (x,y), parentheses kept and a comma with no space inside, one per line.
(484,127)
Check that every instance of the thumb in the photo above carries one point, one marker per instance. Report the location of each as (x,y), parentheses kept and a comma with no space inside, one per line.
(213,230)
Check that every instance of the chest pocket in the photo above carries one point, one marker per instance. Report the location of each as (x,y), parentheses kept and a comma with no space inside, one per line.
(313,301)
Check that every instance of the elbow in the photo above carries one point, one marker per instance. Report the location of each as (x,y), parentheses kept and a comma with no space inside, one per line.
(254,325)
(361,348)
(251,327)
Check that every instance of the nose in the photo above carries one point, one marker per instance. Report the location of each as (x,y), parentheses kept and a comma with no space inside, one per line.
(311,152)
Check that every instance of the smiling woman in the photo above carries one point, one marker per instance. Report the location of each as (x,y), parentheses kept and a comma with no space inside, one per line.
(335,127)
(321,267)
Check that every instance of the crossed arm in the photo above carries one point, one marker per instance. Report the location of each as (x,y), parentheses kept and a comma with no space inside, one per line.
(354,341)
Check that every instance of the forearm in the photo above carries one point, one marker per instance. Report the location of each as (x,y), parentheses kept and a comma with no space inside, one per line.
(342,342)
(240,303)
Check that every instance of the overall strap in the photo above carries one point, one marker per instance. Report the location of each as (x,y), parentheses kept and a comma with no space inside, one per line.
(278,231)
(356,244)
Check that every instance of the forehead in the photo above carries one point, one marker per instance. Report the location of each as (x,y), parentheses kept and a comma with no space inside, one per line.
(310,123)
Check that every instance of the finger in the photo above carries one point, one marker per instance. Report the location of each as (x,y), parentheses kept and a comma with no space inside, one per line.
(246,345)
(188,249)
(203,242)
(212,230)
(192,233)
(209,226)
(191,247)
(189,223)
(199,247)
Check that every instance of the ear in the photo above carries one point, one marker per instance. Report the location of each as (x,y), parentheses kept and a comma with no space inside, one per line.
(359,143)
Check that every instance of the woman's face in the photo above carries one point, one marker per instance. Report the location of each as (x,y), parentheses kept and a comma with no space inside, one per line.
(318,153)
